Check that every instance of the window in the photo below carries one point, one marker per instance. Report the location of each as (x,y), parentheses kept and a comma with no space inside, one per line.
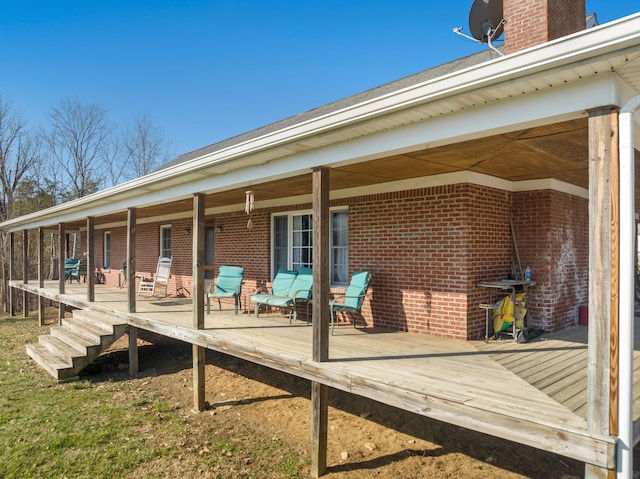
(165,241)
(302,242)
(292,245)
(106,257)
(339,247)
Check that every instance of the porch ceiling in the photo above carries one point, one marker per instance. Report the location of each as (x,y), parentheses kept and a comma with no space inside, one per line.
(558,151)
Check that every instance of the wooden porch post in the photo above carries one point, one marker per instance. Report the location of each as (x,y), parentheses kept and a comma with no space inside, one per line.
(131,260)
(602,373)
(199,402)
(12,273)
(133,350)
(91,277)
(25,272)
(62,243)
(131,289)
(320,392)
(40,275)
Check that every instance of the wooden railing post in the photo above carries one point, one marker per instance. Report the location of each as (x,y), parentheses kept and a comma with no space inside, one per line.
(62,243)
(40,275)
(320,392)
(12,274)
(25,272)
(131,260)
(131,288)
(199,402)
(602,371)
(91,276)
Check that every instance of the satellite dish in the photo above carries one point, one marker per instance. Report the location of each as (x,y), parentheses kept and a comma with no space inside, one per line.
(486,20)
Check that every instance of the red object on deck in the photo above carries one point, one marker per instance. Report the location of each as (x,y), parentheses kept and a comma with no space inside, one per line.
(583,316)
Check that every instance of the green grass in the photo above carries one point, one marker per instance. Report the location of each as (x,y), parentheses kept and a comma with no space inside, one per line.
(108,428)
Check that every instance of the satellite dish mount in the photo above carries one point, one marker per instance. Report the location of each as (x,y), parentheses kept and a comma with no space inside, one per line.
(486,23)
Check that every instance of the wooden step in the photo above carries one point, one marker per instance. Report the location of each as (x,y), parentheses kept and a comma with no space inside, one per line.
(58,367)
(79,342)
(88,331)
(98,318)
(60,348)
(75,343)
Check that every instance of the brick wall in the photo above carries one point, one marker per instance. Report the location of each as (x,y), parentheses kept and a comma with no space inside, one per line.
(553,238)
(427,249)
(532,22)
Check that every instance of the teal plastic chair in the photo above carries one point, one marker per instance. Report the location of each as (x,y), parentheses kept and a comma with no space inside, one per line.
(228,285)
(351,300)
(279,288)
(299,293)
(289,290)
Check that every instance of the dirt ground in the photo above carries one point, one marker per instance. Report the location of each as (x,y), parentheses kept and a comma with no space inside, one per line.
(366,439)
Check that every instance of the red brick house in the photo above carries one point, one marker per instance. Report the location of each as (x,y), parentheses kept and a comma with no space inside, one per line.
(425,177)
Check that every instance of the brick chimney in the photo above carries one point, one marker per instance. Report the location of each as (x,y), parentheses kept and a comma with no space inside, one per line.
(531,22)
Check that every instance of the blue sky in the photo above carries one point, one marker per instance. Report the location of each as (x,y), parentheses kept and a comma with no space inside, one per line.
(208,70)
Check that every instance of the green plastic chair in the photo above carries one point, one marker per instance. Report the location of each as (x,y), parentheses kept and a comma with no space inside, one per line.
(352,298)
(228,285)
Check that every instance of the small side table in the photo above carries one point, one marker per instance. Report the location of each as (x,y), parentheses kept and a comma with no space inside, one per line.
(504,285)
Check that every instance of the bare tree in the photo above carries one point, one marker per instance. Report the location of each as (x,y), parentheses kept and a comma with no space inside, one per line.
(143,146)
(18,157)
(78,142)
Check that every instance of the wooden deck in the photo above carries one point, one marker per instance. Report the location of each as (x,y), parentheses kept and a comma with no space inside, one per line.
(533,394)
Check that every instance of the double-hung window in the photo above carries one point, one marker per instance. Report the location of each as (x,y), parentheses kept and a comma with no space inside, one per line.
(165,241)
(292,243)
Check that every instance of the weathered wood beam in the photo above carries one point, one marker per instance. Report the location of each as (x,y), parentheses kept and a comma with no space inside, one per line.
(41,302)
(319,391)
(62,247)
(602,369)
(321,227)
(12,274)
(198,260)
(25,272)
(320,415)
(91,266)
(131,259)
(199,402)
(133,350)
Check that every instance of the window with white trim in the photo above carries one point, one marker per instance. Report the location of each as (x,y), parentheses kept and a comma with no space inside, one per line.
(165,241)
(106,256)
(292,243)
